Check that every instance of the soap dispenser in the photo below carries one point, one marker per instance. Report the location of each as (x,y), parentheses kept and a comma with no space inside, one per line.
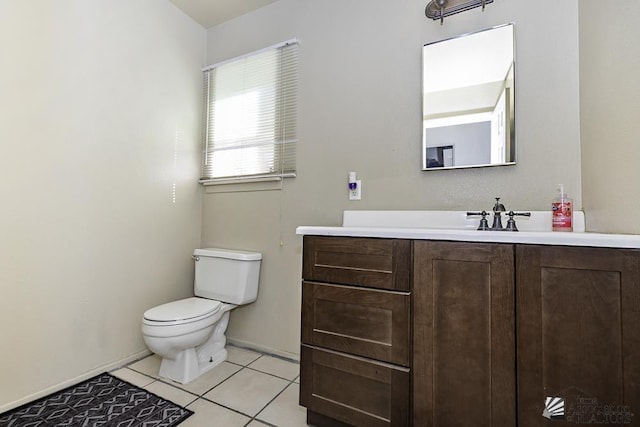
(562,211)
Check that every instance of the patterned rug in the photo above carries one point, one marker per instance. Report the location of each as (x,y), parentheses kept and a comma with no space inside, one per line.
(104,401)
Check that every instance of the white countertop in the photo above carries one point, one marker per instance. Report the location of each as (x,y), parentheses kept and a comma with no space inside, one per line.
(463,233)
(530,237)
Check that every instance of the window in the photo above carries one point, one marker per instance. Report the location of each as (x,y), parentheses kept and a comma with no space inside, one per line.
(250,117)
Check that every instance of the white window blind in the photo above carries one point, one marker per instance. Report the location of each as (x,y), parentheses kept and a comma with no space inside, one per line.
(250,117)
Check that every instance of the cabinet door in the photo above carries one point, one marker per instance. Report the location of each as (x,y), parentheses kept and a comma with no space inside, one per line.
(354,390)
(578,336)
(463,335)
(374,263)
(366,322)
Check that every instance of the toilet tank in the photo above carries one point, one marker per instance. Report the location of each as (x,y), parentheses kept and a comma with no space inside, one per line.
(227,275)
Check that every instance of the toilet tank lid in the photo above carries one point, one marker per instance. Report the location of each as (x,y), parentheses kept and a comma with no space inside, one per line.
(229,254)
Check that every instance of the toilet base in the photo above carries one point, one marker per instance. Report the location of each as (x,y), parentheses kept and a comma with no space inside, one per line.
(185,368)
(190,363)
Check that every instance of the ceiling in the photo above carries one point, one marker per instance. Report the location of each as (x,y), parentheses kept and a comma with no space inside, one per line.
(213,12)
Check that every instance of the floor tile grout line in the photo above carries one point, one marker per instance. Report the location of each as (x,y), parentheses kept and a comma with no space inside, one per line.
(252,418)
(242,367)
(269,373)
(223,406)
(261,422)
(282,359)
(272,355)
(158,379)
(221,382)
(202,396)
(139,372)
(248,363)
(271,401)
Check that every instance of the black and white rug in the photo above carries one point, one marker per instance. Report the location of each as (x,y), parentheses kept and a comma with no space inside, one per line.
(104,401)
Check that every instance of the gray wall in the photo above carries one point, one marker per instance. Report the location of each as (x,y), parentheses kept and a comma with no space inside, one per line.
(360,110)
(610,111)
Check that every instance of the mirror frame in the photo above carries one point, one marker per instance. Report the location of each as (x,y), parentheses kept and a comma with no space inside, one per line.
(511,105)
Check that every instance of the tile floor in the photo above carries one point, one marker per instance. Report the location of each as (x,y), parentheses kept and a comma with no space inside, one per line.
(249,389)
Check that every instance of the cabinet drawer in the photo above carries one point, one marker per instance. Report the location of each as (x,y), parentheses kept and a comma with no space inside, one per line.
(376,263)
(366,322)
(354,390)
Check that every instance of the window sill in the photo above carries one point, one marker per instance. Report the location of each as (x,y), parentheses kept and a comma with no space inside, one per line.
(261,183)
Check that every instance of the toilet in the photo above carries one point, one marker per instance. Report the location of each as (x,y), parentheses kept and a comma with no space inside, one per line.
(189,334)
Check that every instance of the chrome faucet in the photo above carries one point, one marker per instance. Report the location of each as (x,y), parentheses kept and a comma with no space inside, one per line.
(498,209)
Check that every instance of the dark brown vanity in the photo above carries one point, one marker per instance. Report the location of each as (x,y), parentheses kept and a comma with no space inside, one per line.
(355,360)
(400,332)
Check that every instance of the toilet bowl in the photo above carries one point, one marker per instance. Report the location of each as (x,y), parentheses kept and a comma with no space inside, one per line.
(189,334)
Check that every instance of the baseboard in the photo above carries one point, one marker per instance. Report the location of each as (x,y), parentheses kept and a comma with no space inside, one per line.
(92,373)
(263,349)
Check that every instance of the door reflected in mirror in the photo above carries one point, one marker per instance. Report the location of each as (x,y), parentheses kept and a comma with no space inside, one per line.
(468,100)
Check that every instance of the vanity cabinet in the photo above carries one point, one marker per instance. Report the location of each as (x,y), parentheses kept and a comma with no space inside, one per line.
(578,317)
(463,335)
(356,320)
(399,332)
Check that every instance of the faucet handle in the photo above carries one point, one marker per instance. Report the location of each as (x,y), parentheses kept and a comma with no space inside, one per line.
(484,224)
(511,223)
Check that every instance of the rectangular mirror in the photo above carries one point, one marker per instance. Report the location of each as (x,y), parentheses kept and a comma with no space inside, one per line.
(468,100)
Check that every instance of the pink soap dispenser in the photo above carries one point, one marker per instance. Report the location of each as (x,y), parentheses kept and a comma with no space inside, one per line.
(562,212)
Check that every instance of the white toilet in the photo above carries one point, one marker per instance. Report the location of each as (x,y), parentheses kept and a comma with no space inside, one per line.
(189,334)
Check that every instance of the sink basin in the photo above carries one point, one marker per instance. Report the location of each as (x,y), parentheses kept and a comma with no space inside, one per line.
(448,220)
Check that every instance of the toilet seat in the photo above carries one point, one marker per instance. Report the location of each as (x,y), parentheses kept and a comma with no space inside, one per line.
(182,311)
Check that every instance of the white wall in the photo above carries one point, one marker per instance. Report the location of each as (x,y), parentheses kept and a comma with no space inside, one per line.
(609,107)
(100,105)
(360,110)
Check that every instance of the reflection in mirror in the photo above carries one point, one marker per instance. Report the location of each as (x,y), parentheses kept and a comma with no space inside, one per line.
(468,100)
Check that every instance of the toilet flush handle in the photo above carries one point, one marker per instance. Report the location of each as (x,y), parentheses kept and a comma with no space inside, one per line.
(195,258)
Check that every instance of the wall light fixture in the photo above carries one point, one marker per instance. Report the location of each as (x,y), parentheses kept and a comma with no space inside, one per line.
(438,9)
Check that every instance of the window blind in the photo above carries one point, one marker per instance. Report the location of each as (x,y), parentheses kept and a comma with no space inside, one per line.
(250,117)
